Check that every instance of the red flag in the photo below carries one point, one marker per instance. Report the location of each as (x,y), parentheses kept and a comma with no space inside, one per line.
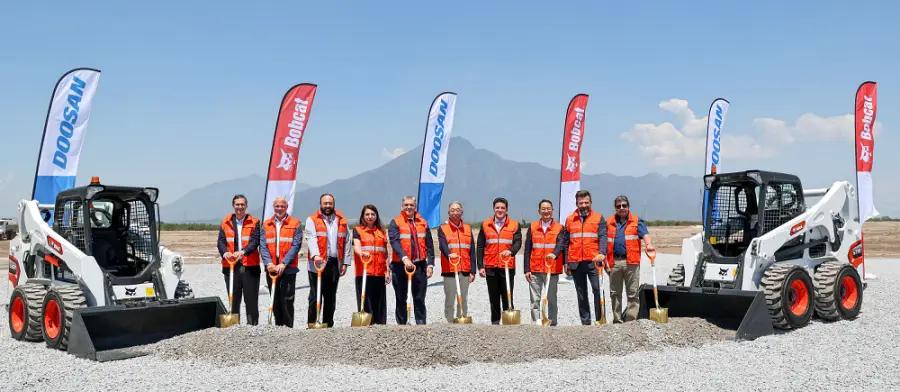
(864,109)
(570,167)
(293,118)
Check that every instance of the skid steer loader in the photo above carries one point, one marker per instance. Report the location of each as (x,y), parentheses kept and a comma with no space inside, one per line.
(97,282)
(767,259)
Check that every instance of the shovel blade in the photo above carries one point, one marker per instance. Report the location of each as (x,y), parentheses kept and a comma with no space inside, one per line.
(361,319)
(317,325)
(229,319)
(742,311)
(107,333)
(463,320)
(511,317)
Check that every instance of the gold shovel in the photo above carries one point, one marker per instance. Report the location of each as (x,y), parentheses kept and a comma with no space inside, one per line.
(548,265)
(361,318)
(660,315)
(318,324)
(461,319)
(228,319)
(511,316)
(410,316)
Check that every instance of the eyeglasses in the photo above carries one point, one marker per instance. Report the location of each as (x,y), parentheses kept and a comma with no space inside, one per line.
(621,206)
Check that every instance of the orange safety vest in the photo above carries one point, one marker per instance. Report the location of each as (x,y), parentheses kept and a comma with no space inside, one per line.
(374,242)
(250,223)
(322,235)
(285,239)
(584,244)
(495,242)
(632,240)
(402,223)
(459,240)
(543,244)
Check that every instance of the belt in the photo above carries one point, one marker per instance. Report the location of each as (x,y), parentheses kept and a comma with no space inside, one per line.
(617,257)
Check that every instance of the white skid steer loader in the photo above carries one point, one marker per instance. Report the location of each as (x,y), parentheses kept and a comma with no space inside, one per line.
(97,282)
(767,260)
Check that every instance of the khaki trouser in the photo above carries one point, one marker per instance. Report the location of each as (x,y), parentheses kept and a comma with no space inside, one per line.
(628,275)
(538,280)
(450,306)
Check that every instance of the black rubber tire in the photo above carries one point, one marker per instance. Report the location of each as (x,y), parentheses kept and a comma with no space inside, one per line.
(69,298)
(830,290)
(183,290)
(676,277)
(19,295)
(776,283)
(32,294)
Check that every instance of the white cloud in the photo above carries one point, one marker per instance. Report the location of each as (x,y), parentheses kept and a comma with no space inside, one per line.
(810,127)
(667,143)
(391,154)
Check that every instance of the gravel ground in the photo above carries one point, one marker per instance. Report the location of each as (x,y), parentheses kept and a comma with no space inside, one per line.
(864,353)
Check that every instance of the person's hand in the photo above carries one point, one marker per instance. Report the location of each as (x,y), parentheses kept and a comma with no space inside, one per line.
(428,273)
(481,272)
(343,269)
(528,277)
(453,256)
(238,254)
(317,259)
(599,257)
(650,247)
(471,278)
(228,256)
(365,254)
(270,268)
(280,269)
(406,263)
(387,278)
(506,253)
(567,270)
(550,256)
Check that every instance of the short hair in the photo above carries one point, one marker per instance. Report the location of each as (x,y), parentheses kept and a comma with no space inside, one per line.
(455,202)
(407,197)
(501,200)
(545,201)
(323,196)
(621,198)
(279,198)
(238,196)
(583,193)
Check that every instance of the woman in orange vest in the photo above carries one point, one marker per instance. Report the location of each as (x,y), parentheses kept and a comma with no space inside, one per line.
(499,235)
(370,245)
(544,244)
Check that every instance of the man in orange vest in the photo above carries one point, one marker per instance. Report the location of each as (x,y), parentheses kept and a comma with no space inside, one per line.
(584,230)
(280,255)
(498,236)
(544,243)
(239,239)
(456,242)
(329,239)
(412,244)
(625,231)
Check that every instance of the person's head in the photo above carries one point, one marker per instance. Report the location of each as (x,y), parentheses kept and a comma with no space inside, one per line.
(369,216)
(326,204)
(623,208)
(239,203)
(583,201)
(408,205)
(545,208)
(280,204)
(455,211)
(500,206)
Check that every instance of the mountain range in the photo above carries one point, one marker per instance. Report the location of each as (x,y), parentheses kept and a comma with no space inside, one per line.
(474,177)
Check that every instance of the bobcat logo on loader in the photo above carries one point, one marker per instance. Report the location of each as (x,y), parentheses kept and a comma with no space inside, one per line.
(723,272)
(130,292)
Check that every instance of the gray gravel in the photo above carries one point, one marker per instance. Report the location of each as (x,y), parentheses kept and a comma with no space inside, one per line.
(823,356)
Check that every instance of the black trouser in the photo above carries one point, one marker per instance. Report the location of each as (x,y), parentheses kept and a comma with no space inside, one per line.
(401,286)
(376,298)
(283,303)
(330,277)
(246,287)
(496,284)
(584,271)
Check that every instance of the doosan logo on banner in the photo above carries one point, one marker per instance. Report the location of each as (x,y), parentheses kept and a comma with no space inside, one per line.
(438,139)
(67,126)
(717,143)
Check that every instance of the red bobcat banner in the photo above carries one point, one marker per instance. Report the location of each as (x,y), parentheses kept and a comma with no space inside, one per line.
(865,109)
(293,117)
(570,168)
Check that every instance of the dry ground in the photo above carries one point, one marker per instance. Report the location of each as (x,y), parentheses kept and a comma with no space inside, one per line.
(200,246)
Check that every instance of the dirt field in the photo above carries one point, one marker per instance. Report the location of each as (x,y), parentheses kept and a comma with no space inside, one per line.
(199,247)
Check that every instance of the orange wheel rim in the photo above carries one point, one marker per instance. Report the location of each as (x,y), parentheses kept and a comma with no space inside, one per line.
(52,319)
(17,314)
(849,294)
(799,297)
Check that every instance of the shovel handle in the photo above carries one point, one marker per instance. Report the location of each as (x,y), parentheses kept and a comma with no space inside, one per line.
(409,273)
(652,255)
(316,266)
(505,260)
(365,259)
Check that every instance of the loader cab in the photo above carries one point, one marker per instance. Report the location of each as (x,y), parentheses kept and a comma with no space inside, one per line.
(746,205)
(116,225)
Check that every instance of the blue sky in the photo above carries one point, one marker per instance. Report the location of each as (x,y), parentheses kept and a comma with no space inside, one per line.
(199,84)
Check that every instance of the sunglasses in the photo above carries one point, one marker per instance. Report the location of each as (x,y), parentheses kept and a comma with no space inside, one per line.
(621,206)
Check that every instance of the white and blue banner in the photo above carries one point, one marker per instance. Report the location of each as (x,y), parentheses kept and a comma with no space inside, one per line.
(64,128)
(716,118)
(438,129)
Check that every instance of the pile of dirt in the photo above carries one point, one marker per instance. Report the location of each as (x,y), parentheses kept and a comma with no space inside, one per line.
(436,344)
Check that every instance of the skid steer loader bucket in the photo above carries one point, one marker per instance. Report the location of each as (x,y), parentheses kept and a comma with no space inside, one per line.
(105,333)
(744,312)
